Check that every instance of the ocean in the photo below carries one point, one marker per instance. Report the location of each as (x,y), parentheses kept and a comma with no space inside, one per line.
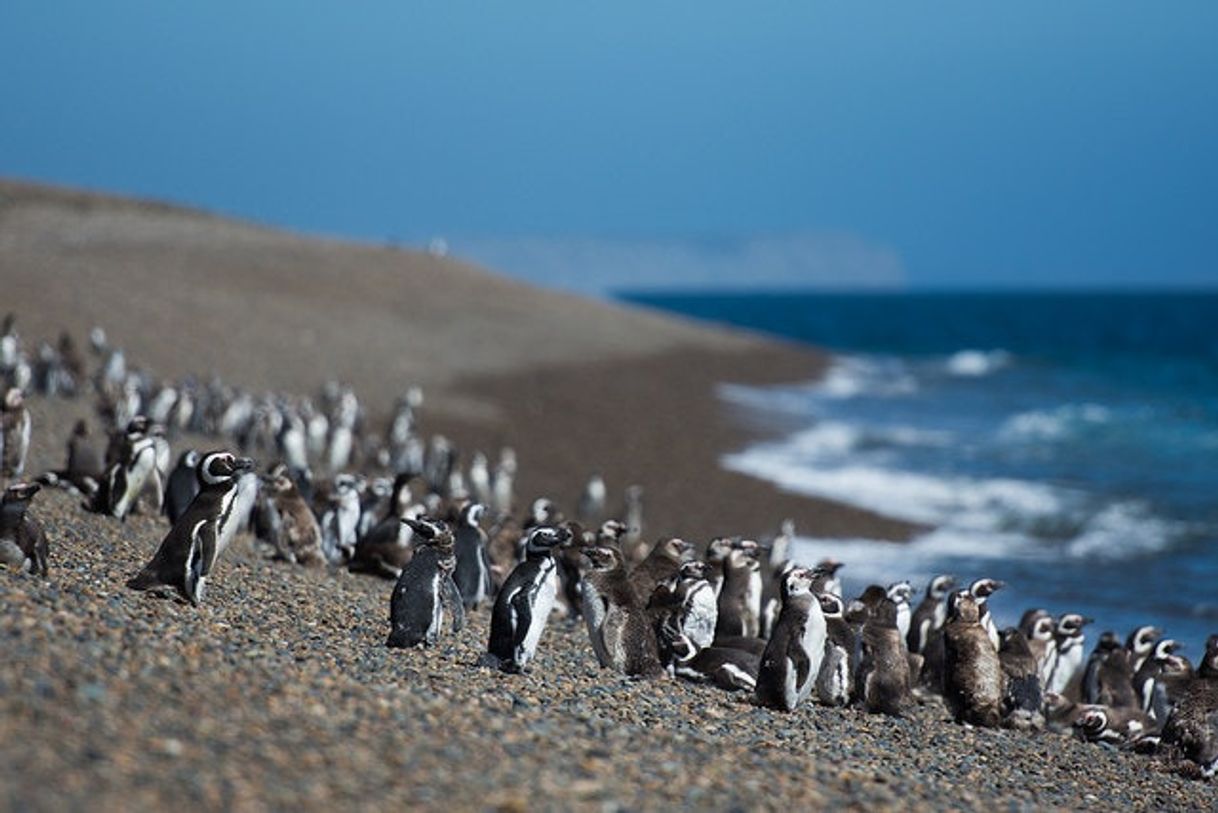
(1066,443)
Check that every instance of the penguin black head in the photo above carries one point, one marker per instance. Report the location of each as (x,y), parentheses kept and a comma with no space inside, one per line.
(1165,649)
(1071,625)
(984,588)
(830,566)
(693,570)
(20,492)
(1014,641)
(1142,640)
(219,468)
(471,514)
(542,539)
(427,528)
(831,605)
(939,587)
(603,558)
(1092,723)
(872,596)
(797,582)
(900,592)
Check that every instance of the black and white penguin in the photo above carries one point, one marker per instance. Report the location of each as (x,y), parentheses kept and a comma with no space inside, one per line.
(1150,681)
(153,492)
(740,596)
(1023,696)
(189,551)
(340,520)
(794,654)
(882,678)
(23,543)
(1070,640)
(183,484)
(133,456)
(973,676)
(425,594)
(473,573)
(1140,644)
(981,590)
(14,434)
(931,612)
(700,608)
(835,681)
(1192,726)
(1039,627)
(523,605)
(297,534)
(729,669)
(1112,726)
(900,593)
(619,628)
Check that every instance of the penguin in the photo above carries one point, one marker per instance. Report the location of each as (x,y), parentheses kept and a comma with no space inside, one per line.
(340,520)
(1191,729)
(633,546)
(900,594)
(700,608)
(619,629)
(14,434)
(523,605)
(1148,685)
(1038,627)
(661,564)
(480,479)
(740,597)
(135,459)
(981,590)
(1140,644)
(473,573)
(23,543)
(1070,639)
(503,483)
(931,613)
(1090,687)
(1111,726)
(189,551)
(298,536)
(973,676)
(375,505)
(153,491)
(83,469)
(882,678)
(389,546)
(717,551)
(729,669)
(835,681)
(794,654)
(591,506)
(1024,695)
(425,593)
(183,485)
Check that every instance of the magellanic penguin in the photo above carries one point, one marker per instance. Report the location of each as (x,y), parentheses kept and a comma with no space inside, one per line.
(187,554)
(835,681)
(23,544)
(1140,644)
(981,590)
(794,653)
(1070,641)
(1191,730)
(619,628)
(523,605)
(1149,683)
(183,485)
(740,596)
(1113,726)
(1023,696)
(297,533)
(1112,684)
(14,434)
(340,520)
(900,593)
(973,684)
(1038,627)
(425,593)
(729,669)
(135,459)
(473,573)
(882,677)
(931,613)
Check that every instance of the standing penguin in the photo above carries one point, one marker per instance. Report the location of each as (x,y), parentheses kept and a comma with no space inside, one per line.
(973,676)
(134,456)
(23,544)
(297,535)
(340,520)
(900,593)
(1070,641)
(1038,627)
(740,596)
(189,551)
(425,592)
(1023,696)
(1149,682)
(931,613)
(883,672)
(619,628)
(183,485)
(794,653)
(1140,644)
(1192,726)
(14,434)
(523,605)
(473,573)
(835,681)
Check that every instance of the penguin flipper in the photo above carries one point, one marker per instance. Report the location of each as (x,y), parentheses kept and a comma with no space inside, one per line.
(524,619)
(450,597)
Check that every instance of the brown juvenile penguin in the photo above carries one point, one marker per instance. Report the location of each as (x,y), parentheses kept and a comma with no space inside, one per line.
(298,535)
(661,564)
(973,677)
(883,673)
(619,627)
(1023,696)
(1192,726)
(740,596)
(23,544)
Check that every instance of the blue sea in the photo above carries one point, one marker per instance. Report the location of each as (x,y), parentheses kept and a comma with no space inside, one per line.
(1066,443)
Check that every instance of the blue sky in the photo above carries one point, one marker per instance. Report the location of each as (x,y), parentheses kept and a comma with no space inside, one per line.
(642,144)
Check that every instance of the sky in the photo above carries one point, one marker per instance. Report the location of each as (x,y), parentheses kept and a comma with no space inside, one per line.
(650,145)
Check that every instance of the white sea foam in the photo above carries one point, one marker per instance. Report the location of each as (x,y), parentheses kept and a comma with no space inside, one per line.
(975,363)
(855,376)
(1053,424)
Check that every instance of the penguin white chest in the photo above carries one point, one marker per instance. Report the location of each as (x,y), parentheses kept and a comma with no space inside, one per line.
(543,603)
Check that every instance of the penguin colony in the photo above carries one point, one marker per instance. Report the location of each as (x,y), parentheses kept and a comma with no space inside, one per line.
(742,616)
